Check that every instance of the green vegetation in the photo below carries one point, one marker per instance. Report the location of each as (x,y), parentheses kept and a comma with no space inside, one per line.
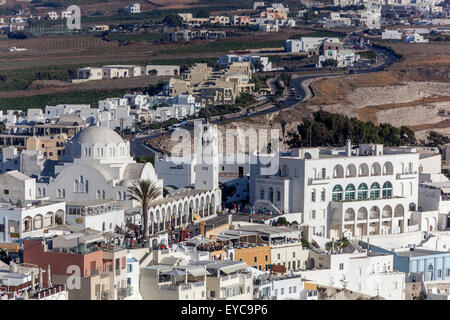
(185,61)
(339,245)
(173,20)
(436,139)
(330,63)
(83,97)
(327,129)
(146,159)
(368,54)
(245,100)
(217,111)
(136,37)
(223,46)
(320,33)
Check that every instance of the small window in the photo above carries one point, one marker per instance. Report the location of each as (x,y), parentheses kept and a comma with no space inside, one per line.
(341,266)
(5,191)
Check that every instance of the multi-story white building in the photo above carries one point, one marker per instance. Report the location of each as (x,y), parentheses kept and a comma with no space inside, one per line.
(133,272)
(290,287)
(364,191)
(368,273)
(134,8)
(307,43)
(227,59)
(391,35)
(344,58)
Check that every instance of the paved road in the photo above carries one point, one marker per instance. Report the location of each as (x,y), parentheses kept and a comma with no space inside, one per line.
(139,149)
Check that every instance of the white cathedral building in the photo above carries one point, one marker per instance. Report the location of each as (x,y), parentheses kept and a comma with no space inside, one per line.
(338,192)
(97,168)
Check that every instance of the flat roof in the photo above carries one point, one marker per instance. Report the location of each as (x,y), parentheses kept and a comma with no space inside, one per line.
(419,253)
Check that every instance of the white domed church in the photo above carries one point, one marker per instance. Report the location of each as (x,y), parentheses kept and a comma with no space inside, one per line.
(97,168)
(97,165)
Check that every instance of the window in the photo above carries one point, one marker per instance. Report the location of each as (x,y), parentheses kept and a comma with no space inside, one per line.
(129,268)
(2,228)
(267,257)
(5,191)
(387,190)
(293,254)
(294,289)
(282,291)
(256,259)
(248,289)
(313,214)
(262,194)
(341,266)
(278,195)
(313,195)
(350,192)
(439,273)
(337,193)
(362,191)
(290,290)
(375,191)
(279,257)
(322,195)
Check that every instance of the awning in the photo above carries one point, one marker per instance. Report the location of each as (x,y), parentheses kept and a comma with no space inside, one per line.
(198,272)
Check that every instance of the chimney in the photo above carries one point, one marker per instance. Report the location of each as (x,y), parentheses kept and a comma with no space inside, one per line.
(348,148)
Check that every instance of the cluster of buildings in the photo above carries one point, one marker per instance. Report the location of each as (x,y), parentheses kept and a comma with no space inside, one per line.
(414,37)
(270,18)
(367,218)
(124,71)
(324,48)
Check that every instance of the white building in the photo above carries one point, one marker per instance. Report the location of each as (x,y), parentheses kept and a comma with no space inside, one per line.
(370,273)
(133,272)
(360,192)
(307,43)
(228,59)
(344,58)
(33,219)
(290,287)
(97,166)
(415,38)
(134,8)
(53,15)
(435,196)
(101,215)
(391,35)
(162,70)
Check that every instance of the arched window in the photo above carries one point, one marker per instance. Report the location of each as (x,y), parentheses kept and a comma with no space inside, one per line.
(350,192)
(388,168)
(376,169)
(362,191)
(337,193)
(399,211)
(375,190)
(387,190)
(338,171)
(351,170)
(363,170)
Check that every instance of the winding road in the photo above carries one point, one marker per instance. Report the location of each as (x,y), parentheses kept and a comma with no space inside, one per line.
(303,93)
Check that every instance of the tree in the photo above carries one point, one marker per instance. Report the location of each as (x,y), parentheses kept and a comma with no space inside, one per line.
(258,65)
(144,192)
(203,13)
(173,20)
(330,63)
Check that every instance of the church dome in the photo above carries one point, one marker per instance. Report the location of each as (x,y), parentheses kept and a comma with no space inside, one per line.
(97,135)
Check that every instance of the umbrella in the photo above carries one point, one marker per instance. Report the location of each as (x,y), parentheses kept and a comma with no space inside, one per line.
(41,282)
(33,281)
(49,277)
(174,273)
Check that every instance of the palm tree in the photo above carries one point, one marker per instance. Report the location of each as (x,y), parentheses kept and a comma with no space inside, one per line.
(144,192)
